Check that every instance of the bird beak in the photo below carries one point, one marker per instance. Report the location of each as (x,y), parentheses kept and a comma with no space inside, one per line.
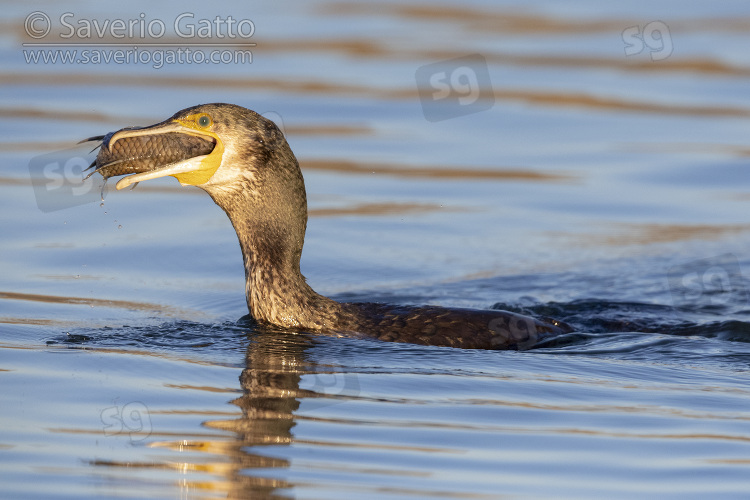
(192,171)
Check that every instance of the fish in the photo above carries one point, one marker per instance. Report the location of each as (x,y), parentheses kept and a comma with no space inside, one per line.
(138,154)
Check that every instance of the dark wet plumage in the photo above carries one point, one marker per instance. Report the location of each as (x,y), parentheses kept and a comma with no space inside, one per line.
(260,187)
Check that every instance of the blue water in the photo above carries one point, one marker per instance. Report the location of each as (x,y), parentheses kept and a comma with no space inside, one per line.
(603,189)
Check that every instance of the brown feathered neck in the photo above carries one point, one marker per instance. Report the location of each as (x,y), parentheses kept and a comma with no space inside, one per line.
(266,202)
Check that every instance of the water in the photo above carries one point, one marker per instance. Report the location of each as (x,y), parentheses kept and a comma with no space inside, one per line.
(602,189)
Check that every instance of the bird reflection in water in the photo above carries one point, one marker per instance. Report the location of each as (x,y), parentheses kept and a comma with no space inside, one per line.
(275,363)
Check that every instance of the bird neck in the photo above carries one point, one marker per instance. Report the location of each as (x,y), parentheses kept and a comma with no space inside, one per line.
(275,293)
(271,239)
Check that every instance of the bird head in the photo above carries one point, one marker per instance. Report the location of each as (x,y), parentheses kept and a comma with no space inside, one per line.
(235,143)
(237,156)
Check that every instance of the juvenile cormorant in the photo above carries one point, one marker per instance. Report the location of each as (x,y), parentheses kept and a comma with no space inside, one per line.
(243,161)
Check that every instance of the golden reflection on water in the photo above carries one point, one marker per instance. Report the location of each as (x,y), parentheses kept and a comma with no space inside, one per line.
(234,463)
(169,311)
(270,397)
(380,209)
(517,22)
(119,121)
(371,49)
(736,150)
(10,320)
(270,391)
(52,114)
(648,234)
(433,172)
(544,98)
(506,22)
(229,458)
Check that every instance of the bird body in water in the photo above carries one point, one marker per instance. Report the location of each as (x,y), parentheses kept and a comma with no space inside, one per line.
(245,164)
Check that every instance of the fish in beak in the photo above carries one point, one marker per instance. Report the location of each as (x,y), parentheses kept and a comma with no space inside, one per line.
(185,148)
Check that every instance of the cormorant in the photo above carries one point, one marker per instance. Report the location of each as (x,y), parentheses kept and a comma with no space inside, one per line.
(243,161)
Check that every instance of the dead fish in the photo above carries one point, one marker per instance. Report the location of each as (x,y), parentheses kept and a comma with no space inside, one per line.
(138,154)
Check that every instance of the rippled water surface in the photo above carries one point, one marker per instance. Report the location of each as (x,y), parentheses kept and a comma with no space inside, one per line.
(596,171)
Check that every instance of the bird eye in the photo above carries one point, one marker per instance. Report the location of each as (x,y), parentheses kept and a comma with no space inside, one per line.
(204,121)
